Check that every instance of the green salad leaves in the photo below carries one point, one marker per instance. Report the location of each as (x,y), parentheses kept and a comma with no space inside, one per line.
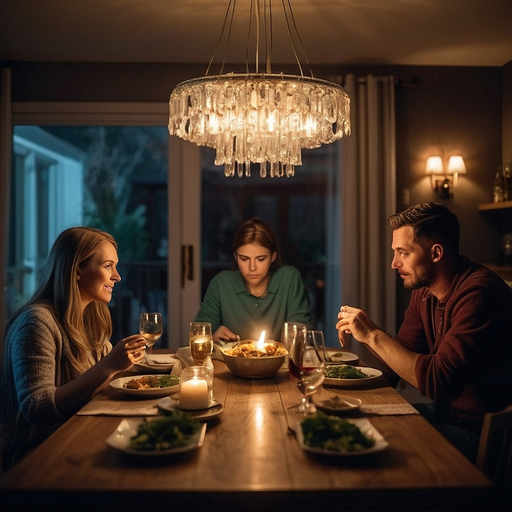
(333,433)
(344,371)
(166,381)
(171,431)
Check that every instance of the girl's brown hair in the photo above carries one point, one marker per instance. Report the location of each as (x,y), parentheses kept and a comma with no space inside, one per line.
(257,231)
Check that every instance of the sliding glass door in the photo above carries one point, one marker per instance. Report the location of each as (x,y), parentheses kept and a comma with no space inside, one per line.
(112,178)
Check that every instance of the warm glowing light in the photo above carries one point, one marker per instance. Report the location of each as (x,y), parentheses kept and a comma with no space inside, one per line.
(456,165)
(261,118)
(261,342)
(434,165)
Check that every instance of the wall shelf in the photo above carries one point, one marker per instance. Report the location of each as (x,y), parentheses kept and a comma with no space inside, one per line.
(495,206)
(501,223)
(504,271)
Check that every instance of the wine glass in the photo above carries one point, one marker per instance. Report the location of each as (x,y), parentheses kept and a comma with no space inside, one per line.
(200,340)
(288,335)
(306,369)
(319,342)
(151,328)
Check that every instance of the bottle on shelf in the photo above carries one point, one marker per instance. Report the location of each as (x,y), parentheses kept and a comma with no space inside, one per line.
(507,182)
(506,247)
(498,186)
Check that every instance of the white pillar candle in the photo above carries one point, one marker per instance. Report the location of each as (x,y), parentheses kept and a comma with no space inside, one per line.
(194,394)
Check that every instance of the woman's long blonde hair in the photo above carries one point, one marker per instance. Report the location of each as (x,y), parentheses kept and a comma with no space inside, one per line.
(88,330)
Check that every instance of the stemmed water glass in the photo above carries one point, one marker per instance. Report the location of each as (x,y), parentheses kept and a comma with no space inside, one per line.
(306,369)
(200,341)
(151,328)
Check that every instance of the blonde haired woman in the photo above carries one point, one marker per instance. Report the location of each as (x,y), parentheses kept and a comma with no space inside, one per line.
(58,353)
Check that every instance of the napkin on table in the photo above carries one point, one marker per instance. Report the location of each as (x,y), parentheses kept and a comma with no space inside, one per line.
(185,359)
(108,407)
(162,359)
(388,409)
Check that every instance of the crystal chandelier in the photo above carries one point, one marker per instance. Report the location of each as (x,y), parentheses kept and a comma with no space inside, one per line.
(258,117)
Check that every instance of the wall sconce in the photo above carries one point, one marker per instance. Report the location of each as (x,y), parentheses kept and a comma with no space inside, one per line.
(443,182)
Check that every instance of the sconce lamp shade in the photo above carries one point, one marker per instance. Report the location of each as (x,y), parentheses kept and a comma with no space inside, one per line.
(443,181)
(456,165)
(434,165)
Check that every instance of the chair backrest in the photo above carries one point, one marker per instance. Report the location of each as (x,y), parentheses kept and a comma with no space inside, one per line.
(495,451)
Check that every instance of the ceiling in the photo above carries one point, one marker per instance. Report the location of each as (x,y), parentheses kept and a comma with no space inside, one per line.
(357,32)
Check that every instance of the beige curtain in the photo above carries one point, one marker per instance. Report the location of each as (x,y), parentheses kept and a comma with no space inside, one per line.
(5,179)
(368,198)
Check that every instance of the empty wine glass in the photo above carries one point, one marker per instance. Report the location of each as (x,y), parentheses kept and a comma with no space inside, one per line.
(200,340)
(306,369)
(319,342)
(151,328)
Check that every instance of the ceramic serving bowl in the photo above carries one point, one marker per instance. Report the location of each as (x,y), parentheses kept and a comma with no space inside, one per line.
(257,367)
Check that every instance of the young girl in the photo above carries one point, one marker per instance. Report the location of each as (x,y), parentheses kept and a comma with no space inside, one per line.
(260,296)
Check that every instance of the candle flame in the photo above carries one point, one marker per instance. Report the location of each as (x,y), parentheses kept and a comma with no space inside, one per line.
(261,343)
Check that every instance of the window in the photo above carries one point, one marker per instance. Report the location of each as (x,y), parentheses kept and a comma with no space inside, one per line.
(112,178)
(299,208)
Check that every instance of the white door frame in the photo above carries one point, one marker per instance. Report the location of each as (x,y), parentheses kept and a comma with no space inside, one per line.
(184,235)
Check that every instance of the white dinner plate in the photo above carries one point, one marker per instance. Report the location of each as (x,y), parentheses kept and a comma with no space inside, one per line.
(143,393)
(120,440)
(342,356)
(372,373)
(162,363)
(337,403)
(366,427)
(171,403)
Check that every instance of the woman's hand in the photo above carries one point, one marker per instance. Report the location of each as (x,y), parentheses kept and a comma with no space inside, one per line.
(73,395)
(127,352)
(224,335)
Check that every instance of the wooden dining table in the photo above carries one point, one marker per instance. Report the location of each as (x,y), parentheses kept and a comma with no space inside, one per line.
(251,459)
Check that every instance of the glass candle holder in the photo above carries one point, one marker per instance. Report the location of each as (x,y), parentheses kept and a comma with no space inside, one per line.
(196,384)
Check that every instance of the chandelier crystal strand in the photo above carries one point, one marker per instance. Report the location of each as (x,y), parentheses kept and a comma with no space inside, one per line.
(262,118)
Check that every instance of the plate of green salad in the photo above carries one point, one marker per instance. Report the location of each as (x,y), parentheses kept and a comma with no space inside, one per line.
(334,436)
(346,375)
(164,435)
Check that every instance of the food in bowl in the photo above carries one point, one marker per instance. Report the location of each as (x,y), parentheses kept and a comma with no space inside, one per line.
(250,348)
(246,359)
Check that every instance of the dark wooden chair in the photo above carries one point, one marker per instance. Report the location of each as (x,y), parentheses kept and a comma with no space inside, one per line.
(495,453)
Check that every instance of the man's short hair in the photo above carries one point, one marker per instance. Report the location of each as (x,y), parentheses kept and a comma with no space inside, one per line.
(432,223)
